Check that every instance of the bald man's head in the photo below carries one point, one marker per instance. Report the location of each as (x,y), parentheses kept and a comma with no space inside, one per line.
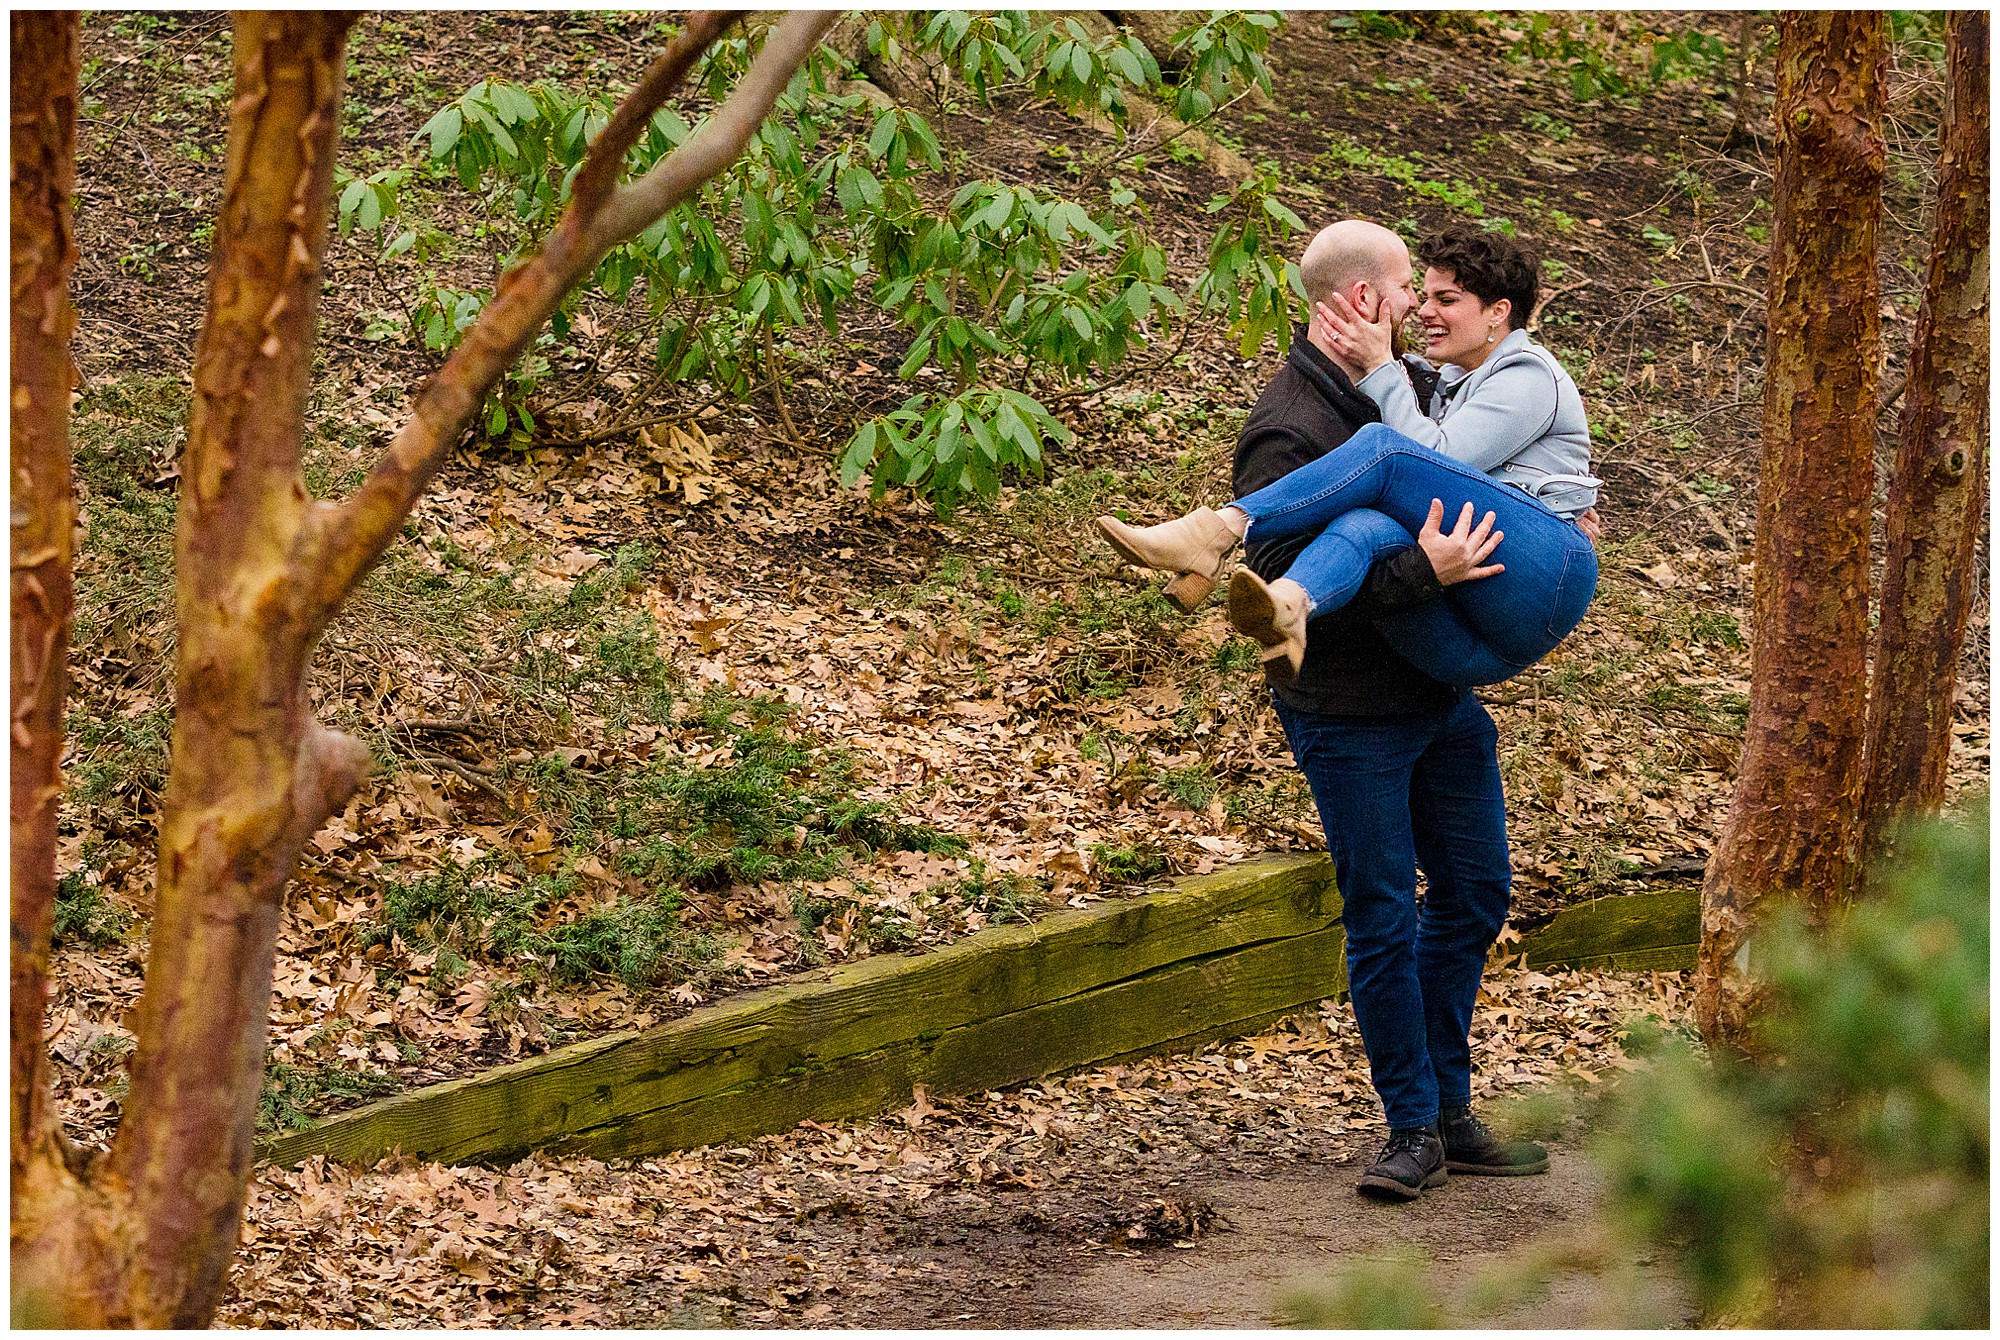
(1355,252)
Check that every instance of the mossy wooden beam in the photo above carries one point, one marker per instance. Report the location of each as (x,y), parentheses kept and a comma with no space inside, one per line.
(1216,956)
(819,1026)
(1634,933)
(1162,1010)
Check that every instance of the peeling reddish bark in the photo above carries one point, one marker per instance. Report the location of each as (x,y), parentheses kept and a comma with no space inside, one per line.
(1937,493)
(42,252)
(44,1192)
(146,1238)
(1793,831)
(252,775)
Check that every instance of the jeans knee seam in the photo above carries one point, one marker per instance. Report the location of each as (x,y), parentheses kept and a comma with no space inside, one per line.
(1304,503)
(1387,451)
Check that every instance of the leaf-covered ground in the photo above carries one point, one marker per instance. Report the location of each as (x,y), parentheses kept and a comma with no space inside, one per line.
(947,1212)
(662,717)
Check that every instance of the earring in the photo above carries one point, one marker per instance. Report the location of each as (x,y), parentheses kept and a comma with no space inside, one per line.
(1490,335)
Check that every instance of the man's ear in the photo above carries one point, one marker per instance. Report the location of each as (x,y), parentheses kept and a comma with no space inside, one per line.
(1505,308)
(1365,300)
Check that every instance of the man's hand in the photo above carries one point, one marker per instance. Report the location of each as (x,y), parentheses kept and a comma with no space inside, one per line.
(1457,557)
(1592,525)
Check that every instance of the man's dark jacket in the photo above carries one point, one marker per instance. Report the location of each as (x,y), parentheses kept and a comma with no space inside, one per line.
(1310,408)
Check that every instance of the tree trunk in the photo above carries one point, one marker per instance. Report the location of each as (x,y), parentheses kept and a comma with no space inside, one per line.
(1794,823)
(147,1242)
(44,1191)
(1937,493)
(146,1238)
(252,774)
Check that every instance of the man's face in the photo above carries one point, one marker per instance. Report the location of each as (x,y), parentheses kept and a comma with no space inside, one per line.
(1400,291)
(1396,294)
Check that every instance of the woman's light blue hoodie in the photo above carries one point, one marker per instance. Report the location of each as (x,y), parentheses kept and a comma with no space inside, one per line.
(1518,416)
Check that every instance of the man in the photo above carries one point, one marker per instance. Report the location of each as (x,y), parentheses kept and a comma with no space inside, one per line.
(1403,769)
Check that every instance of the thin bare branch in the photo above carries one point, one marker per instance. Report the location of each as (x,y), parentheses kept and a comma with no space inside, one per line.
(718,142)
(599,177)
(355,533)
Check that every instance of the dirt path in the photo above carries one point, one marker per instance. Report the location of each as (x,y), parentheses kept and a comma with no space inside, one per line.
(1181,1190)
(1293,1227)
(1280,1226)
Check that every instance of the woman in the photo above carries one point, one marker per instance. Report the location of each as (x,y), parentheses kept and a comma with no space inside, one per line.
(1506,434)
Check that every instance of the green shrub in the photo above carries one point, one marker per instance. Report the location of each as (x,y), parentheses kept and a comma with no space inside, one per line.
(293,1095)
(1840,1178)
(776,809)
(84,916)
(837,207)
(1128,865)
(642,941)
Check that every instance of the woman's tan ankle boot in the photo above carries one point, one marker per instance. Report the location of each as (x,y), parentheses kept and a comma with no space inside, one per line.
(1196,546)
(1272,614)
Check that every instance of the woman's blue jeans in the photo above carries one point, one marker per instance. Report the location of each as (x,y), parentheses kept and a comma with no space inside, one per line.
(1371,495)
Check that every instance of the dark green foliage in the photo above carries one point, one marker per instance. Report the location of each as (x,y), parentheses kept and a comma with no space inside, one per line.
(619,673)
(1377,23)
(292,1094)
(1005,897)
(489,910)
(118,755)
(1574,43)
(1128,865)
(1840,1178)
(125,437)
(1194,786)
(838,204)
(642,941)
(777,809)
(85,917)
(1606,58)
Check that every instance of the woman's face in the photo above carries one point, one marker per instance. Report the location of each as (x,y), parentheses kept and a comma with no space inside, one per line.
(1457,324)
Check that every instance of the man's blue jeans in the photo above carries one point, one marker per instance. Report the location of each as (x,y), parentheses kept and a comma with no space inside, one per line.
(1395,793)
(1371,495)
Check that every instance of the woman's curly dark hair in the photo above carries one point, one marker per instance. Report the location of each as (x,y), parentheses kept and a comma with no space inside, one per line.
(1490,266)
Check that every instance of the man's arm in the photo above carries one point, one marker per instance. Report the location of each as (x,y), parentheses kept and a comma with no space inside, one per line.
(1397,582)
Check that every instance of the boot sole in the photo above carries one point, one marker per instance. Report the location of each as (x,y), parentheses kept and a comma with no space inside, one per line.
(1253,614)
(1497,1170)
(1124,551)
(1185,592)
(1388,1188)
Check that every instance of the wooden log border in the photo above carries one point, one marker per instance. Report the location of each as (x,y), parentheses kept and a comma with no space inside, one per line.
(1215,956)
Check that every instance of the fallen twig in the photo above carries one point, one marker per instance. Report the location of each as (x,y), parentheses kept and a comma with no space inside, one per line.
(465,772)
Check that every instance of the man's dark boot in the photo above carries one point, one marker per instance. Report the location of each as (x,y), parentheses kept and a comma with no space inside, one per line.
(1410,1162)
(1470,1148)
